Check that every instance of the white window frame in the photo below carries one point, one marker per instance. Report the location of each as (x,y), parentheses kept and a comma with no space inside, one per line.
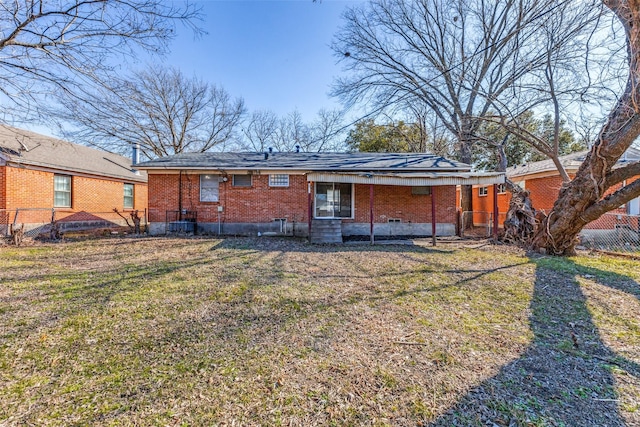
(278,180)
(214,179)
(353,199)
(70,192)
(483,191)
(502,188)
(132,196)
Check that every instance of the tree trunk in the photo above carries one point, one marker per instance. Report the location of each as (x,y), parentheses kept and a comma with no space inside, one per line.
(582,199)
(466,191)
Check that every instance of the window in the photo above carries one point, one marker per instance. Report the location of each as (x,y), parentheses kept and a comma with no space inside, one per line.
(483,191)
(502,188)
(209,188)
(242,180)
(334,200)
(279,180)
(421,191)
(61,191)
(128,196)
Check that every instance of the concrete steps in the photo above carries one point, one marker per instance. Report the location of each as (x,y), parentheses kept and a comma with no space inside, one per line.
(326,231)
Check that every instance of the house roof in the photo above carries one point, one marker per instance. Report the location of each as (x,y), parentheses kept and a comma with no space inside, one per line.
(307,162)
(571,163)
(21,147)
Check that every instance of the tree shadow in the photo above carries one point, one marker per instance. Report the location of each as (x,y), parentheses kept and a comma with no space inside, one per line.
(566,376)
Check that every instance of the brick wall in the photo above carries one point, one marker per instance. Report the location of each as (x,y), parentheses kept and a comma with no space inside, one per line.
(261,203)
(544,192)
(26,188)
(392,201)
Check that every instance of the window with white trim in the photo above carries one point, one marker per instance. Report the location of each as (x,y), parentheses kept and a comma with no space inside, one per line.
(128,196)
(502,188)
(483,191)
(241,180)
(61,191)
(278,180)
(209,188)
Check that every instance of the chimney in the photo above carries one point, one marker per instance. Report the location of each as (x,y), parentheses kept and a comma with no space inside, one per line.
(135,154)
(297,148)
(135,158)
(266,155)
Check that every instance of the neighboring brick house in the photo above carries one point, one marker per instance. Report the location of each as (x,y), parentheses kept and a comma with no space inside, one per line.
(42,176)
(286,193)
(543,182)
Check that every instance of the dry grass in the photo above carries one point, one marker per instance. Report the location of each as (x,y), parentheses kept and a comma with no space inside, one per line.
(277,332)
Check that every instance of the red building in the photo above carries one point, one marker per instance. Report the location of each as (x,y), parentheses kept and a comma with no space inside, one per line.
(543,182)
(41,177)
(331,194)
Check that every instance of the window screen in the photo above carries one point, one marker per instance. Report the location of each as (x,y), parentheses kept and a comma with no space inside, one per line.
(242,180)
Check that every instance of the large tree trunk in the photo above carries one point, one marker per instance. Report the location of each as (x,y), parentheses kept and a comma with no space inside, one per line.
(582,200)
(466,191)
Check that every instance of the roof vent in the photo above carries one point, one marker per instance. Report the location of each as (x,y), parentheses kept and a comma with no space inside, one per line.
(297,148)
(270,150)
(266,155)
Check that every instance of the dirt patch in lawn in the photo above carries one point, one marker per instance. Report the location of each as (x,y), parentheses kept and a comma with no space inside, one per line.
(156,331)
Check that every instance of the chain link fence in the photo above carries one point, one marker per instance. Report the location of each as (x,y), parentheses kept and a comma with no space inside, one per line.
(611,232)
(479,224)
(38,222)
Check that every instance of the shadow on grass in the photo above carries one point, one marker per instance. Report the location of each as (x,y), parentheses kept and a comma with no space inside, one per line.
(565,376)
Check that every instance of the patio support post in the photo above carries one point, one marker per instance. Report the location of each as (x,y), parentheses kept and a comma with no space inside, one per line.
(433,215)
(495,212)
(371,212)
(309,184)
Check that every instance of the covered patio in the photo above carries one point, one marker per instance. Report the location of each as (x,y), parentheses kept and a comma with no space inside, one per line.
(418,181)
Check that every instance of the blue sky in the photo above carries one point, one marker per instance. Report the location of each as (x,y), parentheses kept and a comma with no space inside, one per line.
(274,54)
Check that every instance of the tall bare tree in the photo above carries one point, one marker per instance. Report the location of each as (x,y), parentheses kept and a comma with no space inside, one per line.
(598,186)
(160,109)
(260,131)
(457,58)
(54,44)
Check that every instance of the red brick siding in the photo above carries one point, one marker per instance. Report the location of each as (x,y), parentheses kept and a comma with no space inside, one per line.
(26,188)
(261,203)
(544,192)
(255,204)
(390,201)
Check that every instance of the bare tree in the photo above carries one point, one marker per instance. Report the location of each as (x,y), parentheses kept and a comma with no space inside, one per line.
(598,186)
(160,109)
(264,130)
(260,131)
(327,131)
(457,58)
(55,44)
(292,132)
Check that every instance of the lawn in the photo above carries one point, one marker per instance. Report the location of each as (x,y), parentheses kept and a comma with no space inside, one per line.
(244,332)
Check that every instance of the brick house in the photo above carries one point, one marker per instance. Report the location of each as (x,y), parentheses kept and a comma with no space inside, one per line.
(42,176)
(331,194)
(543,182)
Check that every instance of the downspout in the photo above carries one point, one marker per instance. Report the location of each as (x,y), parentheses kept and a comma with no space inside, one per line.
(180,196)
(309,184)
(433,215)
(495,213)
(371,213)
